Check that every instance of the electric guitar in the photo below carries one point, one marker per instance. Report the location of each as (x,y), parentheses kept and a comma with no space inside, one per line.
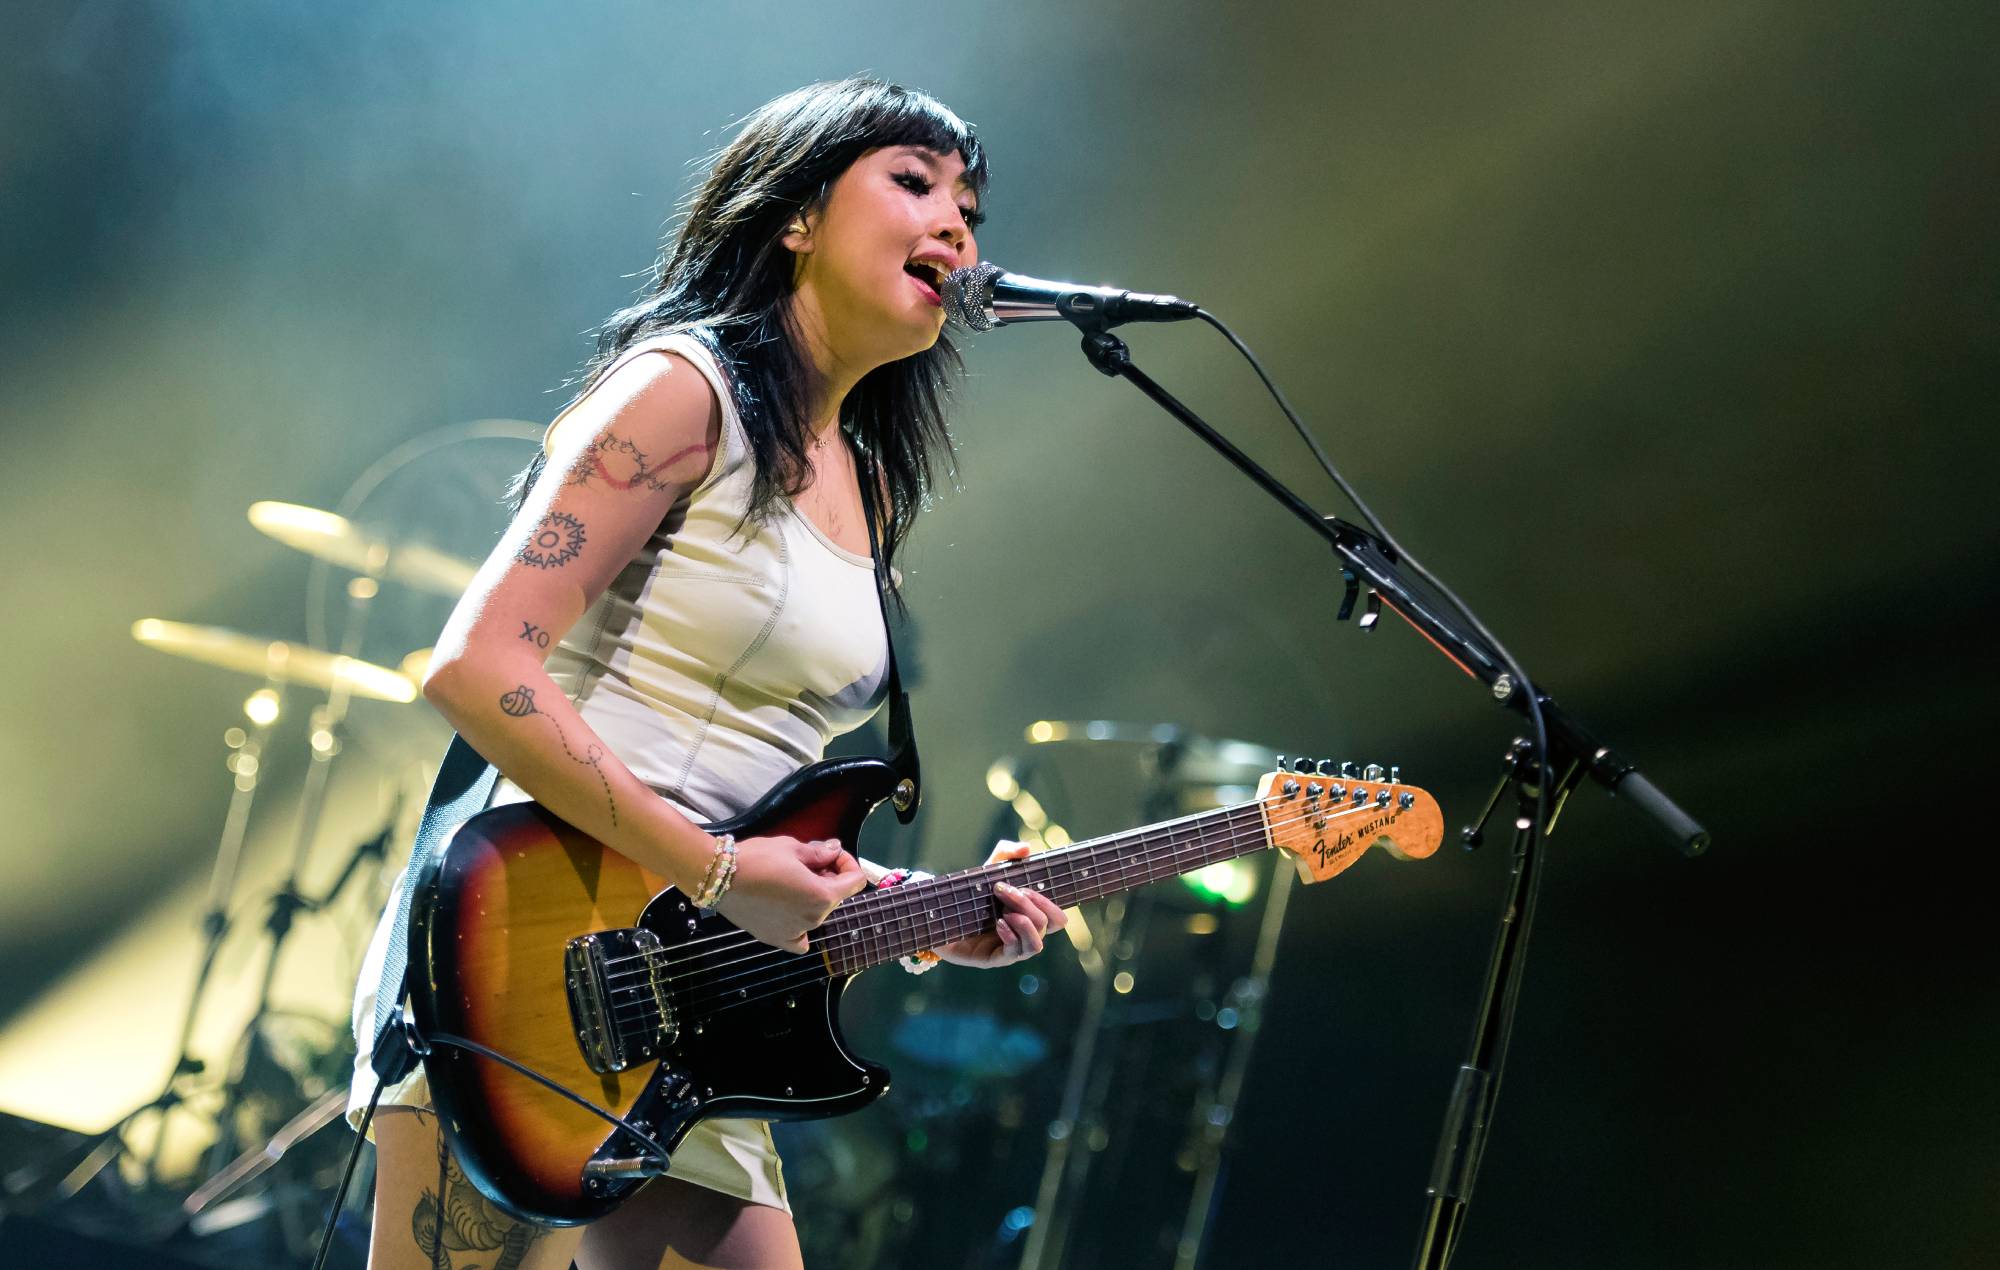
(532,941)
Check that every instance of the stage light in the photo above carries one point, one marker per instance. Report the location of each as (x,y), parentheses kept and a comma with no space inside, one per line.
(262,707)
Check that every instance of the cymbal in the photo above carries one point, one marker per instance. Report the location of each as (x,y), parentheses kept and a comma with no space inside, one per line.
(1188,759)
(338,541)
(273,659)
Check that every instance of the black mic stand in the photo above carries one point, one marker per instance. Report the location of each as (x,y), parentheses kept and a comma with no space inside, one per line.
(1571,750)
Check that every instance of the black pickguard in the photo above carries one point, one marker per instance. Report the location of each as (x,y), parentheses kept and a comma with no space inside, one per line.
(769,1057)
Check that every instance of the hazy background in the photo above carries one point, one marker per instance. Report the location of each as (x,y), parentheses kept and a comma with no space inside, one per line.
(1666,333)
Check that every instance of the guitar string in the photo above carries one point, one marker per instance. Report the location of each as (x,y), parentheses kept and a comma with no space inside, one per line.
(959,901)
(806,968)
(873,937)
(806,971)
(1116,839)
(902,908)
(679,954)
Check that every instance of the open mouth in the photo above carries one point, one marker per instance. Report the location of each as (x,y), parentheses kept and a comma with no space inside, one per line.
(930,276)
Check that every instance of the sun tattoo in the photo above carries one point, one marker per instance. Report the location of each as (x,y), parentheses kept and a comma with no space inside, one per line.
(556,541)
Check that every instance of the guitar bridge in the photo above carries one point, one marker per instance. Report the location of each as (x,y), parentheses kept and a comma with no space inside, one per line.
(617,1003)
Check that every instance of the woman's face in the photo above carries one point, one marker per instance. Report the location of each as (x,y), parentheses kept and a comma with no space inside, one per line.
(871,263)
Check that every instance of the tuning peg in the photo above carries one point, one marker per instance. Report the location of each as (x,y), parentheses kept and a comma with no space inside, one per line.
(1395,774)
(1281,763)
(1324,767)
(1303,767)
(1347,770)
(1372,772)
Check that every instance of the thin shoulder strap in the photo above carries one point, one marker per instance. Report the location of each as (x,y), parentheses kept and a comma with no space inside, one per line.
(902,733)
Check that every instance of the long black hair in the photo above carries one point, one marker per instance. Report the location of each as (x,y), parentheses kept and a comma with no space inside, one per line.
(724,274)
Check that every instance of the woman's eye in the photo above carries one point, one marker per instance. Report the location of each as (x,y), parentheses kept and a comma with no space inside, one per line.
(914,182)
(974,218)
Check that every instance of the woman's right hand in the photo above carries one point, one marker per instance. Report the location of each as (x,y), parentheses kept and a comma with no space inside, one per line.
(785,888)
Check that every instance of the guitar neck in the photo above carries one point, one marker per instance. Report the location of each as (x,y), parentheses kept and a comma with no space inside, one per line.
(880,926)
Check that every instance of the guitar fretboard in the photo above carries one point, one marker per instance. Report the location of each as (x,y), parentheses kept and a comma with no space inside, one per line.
(875,927)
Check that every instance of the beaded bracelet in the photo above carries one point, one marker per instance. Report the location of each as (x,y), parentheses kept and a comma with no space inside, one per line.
(721,872)
(918,962)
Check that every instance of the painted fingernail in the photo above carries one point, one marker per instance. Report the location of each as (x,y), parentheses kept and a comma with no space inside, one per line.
(1005,888)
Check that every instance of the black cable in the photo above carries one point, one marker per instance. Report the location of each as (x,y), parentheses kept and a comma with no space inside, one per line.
(1416,566)
(346,1177)
(437,1235)
(647,1140)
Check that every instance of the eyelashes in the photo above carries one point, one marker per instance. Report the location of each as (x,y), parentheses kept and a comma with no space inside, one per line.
(920,185)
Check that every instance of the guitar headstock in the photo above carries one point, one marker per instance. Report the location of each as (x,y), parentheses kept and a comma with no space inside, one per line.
(1326,815)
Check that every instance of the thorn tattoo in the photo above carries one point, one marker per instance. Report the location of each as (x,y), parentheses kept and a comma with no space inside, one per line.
(556,541)
(519,703)
(621,465)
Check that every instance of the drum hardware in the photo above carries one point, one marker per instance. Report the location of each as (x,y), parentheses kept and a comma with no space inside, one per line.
(1181,773)
(341,676)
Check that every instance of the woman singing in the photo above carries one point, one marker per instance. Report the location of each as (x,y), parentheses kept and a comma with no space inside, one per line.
(684,610)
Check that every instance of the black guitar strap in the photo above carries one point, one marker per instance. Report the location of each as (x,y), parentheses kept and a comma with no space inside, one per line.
(902,733)
(464,783)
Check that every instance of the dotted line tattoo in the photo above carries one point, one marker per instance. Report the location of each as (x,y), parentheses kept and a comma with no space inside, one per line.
(520,703)
(556,541)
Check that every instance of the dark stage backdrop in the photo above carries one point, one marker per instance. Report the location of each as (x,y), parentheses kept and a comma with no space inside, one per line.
(1667,333)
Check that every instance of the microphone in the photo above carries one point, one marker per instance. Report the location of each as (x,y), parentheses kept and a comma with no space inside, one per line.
(982,296)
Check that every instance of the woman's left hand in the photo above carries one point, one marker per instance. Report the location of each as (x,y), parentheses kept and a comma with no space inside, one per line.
(1025,917)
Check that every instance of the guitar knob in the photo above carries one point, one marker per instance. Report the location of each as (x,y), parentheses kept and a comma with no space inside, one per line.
(1372,772)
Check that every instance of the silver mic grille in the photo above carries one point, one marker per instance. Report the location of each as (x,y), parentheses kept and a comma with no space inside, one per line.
(968,296)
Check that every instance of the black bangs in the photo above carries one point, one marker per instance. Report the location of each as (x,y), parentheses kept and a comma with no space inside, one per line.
(912,118)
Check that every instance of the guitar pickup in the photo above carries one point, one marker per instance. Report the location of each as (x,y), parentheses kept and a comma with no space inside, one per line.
(618,1005)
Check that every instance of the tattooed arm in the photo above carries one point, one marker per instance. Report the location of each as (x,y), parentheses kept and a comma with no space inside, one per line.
(621,458)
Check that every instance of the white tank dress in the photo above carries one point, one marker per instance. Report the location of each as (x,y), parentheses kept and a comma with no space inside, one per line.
(721,659)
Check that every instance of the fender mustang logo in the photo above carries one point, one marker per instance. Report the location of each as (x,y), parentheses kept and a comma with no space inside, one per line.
(1345,842)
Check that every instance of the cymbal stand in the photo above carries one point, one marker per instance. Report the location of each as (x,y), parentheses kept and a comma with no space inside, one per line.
(324,739)
(1251,990)
(245,764)
(1093,1061)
